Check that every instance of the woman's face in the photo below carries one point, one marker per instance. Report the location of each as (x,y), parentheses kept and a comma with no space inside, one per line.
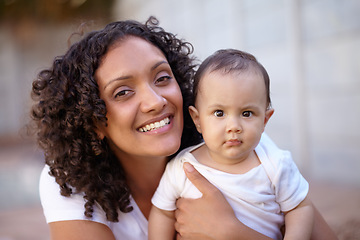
(143,101)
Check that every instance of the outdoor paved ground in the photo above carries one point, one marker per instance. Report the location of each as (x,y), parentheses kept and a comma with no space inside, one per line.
(21,215)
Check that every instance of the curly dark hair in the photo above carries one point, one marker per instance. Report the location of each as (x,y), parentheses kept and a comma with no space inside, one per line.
(68,107)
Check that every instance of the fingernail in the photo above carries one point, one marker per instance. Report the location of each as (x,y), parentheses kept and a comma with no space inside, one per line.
(188,167)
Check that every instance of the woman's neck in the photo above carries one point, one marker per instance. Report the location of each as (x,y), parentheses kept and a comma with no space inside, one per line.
(142,177)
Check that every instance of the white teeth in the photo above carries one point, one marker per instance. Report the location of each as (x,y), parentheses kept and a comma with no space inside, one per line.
(155,125)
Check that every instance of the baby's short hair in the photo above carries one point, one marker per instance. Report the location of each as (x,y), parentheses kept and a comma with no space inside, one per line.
(230,60)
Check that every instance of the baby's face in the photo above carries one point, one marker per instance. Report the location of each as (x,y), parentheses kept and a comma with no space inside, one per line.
(232,112)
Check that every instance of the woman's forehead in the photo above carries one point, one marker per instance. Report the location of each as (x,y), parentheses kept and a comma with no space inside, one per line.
(129,57)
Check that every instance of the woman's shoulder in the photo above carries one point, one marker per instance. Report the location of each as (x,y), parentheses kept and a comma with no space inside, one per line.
(58,208)
(61,208)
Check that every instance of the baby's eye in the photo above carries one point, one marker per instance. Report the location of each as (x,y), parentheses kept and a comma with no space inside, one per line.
(219,113)
(247,114)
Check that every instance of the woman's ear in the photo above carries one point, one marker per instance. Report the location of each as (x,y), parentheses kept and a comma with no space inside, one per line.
(99,133)
(269,112)
(195,117)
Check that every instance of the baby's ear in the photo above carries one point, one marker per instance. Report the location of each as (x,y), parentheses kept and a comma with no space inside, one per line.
(269,112)
(195,117)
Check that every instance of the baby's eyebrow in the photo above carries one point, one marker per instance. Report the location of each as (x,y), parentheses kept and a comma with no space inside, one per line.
(216,105)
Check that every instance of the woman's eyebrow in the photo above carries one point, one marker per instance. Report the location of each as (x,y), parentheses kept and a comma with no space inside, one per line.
(156,65)
(115,80)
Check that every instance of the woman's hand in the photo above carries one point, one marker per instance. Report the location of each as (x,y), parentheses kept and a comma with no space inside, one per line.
(209,217)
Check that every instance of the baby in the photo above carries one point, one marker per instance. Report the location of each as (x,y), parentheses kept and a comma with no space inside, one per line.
(261,182)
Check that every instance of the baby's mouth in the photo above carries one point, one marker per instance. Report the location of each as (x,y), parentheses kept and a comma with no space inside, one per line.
(154,125)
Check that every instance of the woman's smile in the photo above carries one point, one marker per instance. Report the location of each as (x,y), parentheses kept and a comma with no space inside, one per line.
(155,125)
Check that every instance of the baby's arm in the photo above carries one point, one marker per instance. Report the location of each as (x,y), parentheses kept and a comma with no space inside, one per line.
(299,221)
(161,224)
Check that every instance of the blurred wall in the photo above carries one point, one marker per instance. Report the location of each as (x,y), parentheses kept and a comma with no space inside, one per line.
(32,33)
(25,50)
(311,50)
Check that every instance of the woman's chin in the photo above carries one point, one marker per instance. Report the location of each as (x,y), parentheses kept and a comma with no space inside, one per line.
(168,149)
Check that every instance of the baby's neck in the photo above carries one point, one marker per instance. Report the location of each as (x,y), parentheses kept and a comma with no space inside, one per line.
(229,165)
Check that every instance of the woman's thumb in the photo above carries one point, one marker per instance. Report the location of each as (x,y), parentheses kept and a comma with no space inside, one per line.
(199,181)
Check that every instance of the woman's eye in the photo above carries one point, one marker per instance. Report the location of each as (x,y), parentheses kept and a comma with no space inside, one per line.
(162,79)
(122,93)
(219,113)
(247,114)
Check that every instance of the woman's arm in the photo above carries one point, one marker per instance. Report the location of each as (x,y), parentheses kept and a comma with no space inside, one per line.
(79,230)
(209,217)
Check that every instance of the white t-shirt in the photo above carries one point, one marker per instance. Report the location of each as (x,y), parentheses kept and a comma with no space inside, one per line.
(131,226)
(258,197)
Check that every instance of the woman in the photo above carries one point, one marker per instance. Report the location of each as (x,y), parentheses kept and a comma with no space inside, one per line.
(109,116)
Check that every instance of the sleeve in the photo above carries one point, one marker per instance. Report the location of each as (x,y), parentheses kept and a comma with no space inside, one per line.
(291,187)
(60,208)
(169,188)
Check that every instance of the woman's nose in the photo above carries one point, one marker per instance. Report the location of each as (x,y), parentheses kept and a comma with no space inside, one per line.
(152,100)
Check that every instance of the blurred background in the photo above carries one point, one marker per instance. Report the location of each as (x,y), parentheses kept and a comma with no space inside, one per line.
(311,49)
